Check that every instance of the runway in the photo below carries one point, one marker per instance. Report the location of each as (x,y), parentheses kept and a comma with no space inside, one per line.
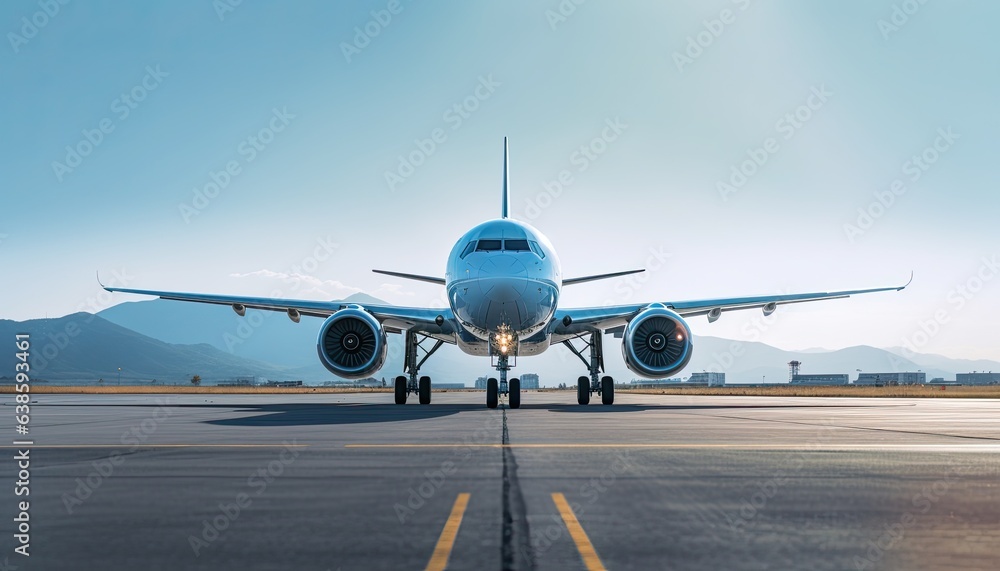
(350,481)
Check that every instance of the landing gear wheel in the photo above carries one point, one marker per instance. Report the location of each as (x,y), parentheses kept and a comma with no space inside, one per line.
(514,392)
(607,390)
(583,390)
(425,390)
(492,393)
(400,390)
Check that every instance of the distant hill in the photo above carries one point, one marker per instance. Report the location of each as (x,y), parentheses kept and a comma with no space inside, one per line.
(85,346)
(932,361)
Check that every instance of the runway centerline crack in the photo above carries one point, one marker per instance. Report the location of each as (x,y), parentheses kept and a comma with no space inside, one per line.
(515,545)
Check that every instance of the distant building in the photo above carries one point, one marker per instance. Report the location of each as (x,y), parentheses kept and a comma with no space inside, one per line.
(529,381)
(448,385)
(700,379)
(978,378)
(283,384)
(819,380)
(712,379)
(239,382)
(886,379)
(481,383)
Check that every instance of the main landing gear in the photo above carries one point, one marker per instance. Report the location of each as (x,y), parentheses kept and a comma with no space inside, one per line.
(420,386)
(495,388)
(585,386)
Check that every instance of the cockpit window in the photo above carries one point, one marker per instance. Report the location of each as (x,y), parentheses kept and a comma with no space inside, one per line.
(488,246)
(516,245)
(468,249)
(537,250)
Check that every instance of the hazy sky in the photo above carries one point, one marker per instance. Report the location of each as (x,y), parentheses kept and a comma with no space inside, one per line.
(326,113)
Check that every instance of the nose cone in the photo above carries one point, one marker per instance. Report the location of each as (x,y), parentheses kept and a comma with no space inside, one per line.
(503,278)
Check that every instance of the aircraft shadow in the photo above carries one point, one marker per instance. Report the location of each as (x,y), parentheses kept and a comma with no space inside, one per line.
(327,414)
(599,408)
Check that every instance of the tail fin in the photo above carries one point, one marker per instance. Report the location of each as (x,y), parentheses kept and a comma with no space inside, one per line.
(505,206)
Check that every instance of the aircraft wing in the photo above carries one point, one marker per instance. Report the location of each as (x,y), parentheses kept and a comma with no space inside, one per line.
(437,323)
(569,323)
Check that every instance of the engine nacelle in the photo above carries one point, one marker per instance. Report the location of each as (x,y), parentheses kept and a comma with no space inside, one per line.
(656,343)
(352,343)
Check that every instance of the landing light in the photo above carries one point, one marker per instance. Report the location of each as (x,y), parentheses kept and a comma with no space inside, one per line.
(680,337)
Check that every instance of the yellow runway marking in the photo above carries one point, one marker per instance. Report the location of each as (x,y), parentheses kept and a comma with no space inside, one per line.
(439,560)
(162,446)
(583,544)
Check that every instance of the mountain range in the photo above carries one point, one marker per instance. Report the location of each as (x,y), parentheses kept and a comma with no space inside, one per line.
(171,341)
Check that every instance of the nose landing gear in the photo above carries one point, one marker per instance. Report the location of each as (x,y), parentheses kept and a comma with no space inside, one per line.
(495,388)
(503,344)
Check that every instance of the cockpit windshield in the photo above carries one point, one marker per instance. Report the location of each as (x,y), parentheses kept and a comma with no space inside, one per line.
(488,246)
(516,246)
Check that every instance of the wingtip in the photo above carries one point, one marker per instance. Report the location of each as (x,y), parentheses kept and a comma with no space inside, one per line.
(99,282)
(908,282)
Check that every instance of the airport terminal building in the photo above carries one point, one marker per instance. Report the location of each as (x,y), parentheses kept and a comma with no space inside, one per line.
(978,378)
(882,379)
(822,380)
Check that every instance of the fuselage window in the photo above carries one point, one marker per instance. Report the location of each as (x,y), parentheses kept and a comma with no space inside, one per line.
(516,246)
(488,246)
(468,249)
(537,250)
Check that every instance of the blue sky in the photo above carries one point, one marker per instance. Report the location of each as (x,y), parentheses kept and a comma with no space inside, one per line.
(309,135)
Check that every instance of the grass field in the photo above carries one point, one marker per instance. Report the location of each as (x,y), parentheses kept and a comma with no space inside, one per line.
(907,391)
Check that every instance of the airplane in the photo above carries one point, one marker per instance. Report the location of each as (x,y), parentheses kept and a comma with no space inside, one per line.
(503,280)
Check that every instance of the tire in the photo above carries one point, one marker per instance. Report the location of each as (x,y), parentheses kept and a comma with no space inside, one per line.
(583,390)
(425,390)
(607,390)
(514,392)
(400,390)
(492,393)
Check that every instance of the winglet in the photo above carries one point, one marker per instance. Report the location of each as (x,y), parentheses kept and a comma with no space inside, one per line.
(505,205)
(902,287)
(99,281)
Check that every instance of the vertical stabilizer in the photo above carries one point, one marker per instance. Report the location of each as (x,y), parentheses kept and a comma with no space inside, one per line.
(505,206)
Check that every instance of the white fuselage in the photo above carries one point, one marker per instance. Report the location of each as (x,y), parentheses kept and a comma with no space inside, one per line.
(503,274)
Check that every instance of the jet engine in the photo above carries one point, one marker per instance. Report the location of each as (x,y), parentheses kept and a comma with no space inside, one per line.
(656,343)
(352,343)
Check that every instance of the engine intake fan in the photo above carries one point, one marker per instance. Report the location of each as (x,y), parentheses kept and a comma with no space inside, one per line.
(656,343)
